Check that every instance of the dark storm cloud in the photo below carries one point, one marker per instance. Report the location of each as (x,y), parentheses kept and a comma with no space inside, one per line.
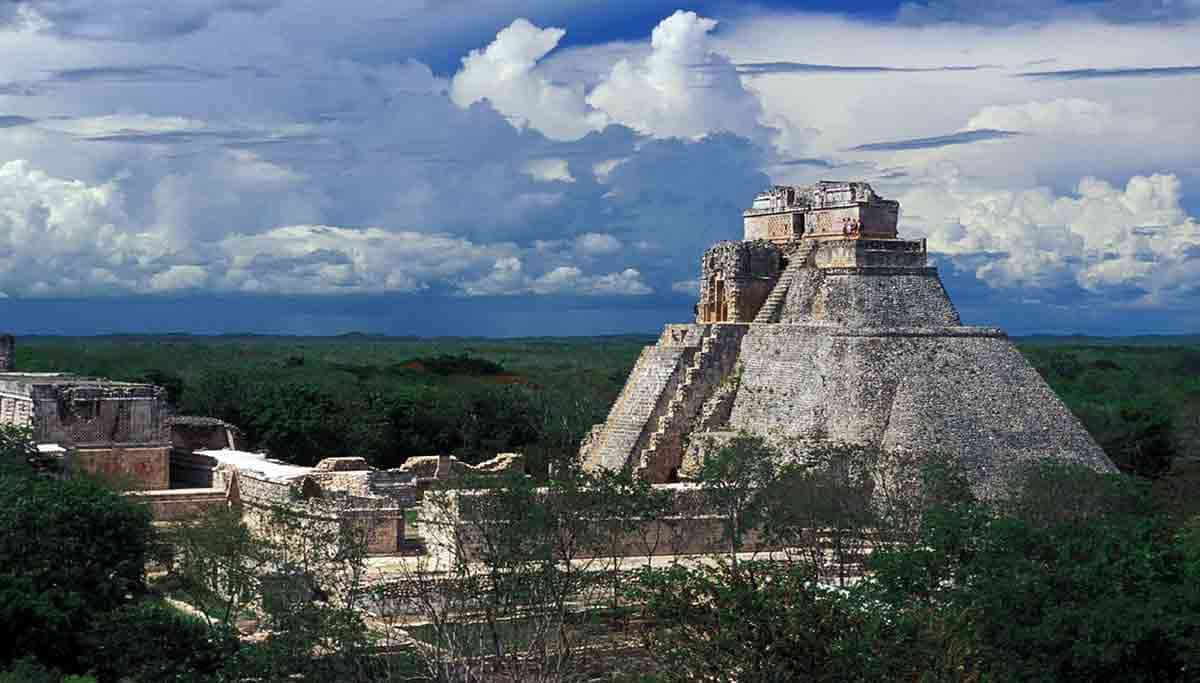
(167,138)
(1009,12)
(1125,72)
(815,163)
(20,89)
(9,121)
(142,73)
(961,138)
(762,68)
(128,20)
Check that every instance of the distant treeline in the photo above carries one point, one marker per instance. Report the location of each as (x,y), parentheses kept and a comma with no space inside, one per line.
(1142,403)
(385,399)
(388,398)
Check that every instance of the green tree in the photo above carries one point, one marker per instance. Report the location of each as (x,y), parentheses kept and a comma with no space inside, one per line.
(514,575)
(150,642)
(738,479)
(70,552)
(764,622)
(296,423)
(1044,587)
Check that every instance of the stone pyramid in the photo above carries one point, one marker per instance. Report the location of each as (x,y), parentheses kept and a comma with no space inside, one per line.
(823,324)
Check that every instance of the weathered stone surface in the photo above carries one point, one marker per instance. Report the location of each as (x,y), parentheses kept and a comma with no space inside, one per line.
(868,297)
(958,390)
(196,433)
(649,390)
(354,464)
(735,280)
(8,348)
(856,343)
(181,504)
(825,209)
(128,467)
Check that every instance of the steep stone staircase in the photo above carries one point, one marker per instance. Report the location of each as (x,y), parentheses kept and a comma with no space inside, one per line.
(773,306)
(663,452)
(656,374)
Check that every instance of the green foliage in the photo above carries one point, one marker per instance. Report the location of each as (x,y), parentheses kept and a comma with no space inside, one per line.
(70,552)
(149,642)
(738,477)
(1075,578)
(169,381)
(1139,401)
(522,560)
(760,623)
(17,450)
(298,422)
(1089,588)
(461,364)
(29,670)
(215,564)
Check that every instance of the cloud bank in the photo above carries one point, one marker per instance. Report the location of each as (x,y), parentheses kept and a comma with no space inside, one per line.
(533,149)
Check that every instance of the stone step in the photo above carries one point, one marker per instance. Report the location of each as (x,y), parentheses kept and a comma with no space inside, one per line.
(770,310)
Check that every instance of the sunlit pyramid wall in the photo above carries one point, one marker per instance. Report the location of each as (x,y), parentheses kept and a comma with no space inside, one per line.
(822,324)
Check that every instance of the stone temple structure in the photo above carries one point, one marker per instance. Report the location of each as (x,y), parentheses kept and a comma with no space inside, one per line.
(824,324)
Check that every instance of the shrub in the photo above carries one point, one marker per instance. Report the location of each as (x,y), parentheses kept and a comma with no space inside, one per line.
(150,642)
(70,551)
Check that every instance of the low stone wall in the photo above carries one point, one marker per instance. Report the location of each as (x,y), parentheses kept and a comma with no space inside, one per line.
(261,498)
(191,470)
(180,504)
(454,528)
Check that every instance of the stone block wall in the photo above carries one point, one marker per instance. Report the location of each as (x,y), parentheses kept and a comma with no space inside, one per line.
(8,351)
(131,467)
(260,498)
(16,410)
(962,391)
(868,297)
(453,528)
(735,279)
(99,414)
(177,505)
(870,253)
(191,470)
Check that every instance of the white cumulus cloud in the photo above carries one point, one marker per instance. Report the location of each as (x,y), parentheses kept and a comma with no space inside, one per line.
(597,243)
(683,88)
(1104,236)
(504,73)
(1063,116)
(549,170)
(66,237)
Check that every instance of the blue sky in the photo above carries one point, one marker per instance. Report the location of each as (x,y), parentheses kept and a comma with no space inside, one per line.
(549,167)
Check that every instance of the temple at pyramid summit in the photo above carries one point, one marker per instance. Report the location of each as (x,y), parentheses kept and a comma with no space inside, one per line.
(823,324)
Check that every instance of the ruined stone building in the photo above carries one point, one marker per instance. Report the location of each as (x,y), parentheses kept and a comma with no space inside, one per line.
(114,430)
(824,324)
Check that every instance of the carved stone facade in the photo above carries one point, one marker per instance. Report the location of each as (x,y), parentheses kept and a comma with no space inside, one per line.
(828,209)
(114,430)
(735,279)
(833,328)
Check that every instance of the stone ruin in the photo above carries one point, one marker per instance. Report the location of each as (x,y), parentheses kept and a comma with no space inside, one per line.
(822,324)
(113,430)
(179,466)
